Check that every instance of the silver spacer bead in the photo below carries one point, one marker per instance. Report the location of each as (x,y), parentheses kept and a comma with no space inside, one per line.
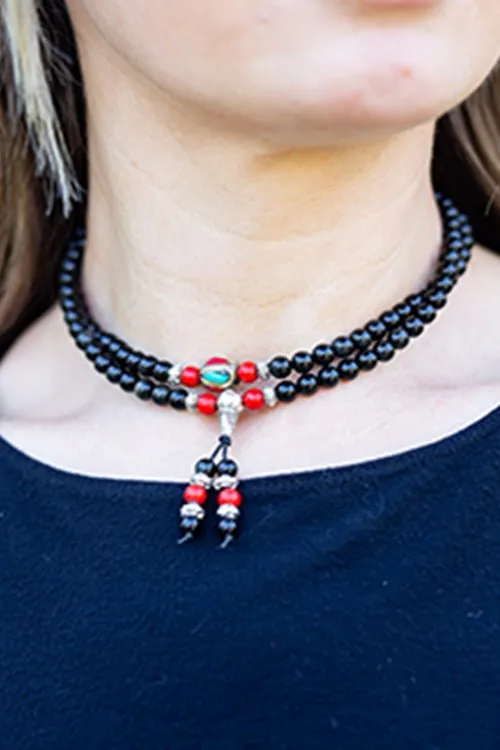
(229,407)
(192,402)
(231,512)
(263,370)
(192,510)
(270,396)
(225,481)
(203,480)
(174,376)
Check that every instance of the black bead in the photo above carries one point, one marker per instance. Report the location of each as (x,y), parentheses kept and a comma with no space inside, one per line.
(143,389)
(121,355)
(92,351)
(227,526)
(280,367)
(101,363)
(189,525)
(461,266)
(114,346)
(414,300)
(427,312)
(323,354)
(361,339)
(399,338)
(446,283)
(69,265)
(65,290)
(205,466)
(71,316)
(302,362)
(161,371)
(403,309)
(343,346)
(414,326)
(438,298)
(178,399)
(127,382)
(348,369)
(146,365)
(161,395)
(367,360)
(133,360)
(105,339)
(114,373)
(328,377)
(452,254)
(450,269)
(227,466)
(286,391)
(307,384)
(390,319)
(83,340)
(376,329)
(384,351)
(68,304)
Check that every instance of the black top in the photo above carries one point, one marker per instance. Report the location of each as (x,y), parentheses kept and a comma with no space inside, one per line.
(359,611)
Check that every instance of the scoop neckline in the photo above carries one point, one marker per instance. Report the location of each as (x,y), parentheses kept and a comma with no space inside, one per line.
(329,475)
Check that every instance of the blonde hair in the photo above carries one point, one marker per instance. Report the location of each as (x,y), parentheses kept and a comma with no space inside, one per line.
(43,161)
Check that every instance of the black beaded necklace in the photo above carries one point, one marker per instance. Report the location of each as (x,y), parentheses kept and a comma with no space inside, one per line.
(212,389)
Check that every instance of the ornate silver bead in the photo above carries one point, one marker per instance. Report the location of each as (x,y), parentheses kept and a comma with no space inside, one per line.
(203,480)
(263,370)
(174,376)
(270,396)
(192,510)
(192,402)
(225,481)
(229,408)
(231,512)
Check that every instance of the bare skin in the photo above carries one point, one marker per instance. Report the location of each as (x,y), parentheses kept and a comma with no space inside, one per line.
(206,237)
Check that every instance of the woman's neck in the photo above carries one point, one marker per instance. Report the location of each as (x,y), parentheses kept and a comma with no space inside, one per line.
(202,240)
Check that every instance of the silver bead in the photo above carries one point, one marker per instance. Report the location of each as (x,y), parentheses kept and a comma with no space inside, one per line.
(203,480)
(192,510)
(229,408)
(270,396)
(174,376)
(263,370)
(192,402)
(231,512)
(225,481)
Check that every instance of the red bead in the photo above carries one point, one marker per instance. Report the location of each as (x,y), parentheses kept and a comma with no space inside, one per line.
(229,497)
(254,399)
(207,403)
(195,494)
(247,372)
(190,376)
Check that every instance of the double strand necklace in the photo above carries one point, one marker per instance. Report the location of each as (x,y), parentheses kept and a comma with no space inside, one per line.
(227,388)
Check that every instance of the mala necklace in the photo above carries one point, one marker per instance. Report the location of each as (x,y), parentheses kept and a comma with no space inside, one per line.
(213,388)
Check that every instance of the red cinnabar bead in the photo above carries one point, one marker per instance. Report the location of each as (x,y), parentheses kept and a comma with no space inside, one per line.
(254,399)
(190,376)
(207,403)
(229,497)
(195,494)
(247,372)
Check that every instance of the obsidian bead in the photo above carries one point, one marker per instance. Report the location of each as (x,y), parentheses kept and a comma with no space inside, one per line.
(461,266)
(302,362)
(348,369)
(178,399)
(427,312)
(105,339)
(403,309)
(146,365)
(376,329)
(101,363)
(161,371)
(71,316)
(366,360)
(414,300)
(68,304)
(114,373)
(328,377)
(65,290)
(227,466)
(69,265)
(286,391)
(399,338)
(438,298)
(450,269)
(133,360)
(205,466)
(414,326)
(469,242)
(127,382)
(161,395)
(307,384)
(143,389)
(323,354)
(92,351)
(343,346)
(466,253)
(452,254)
(280,367)
(361,339)
(390,319)
(121,355)
(114,346)
(384,351)
(446,283)
(83,339)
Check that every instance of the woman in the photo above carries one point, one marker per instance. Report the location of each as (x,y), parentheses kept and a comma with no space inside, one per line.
(262,177)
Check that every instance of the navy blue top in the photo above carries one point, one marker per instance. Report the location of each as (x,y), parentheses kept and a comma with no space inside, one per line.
(360,610)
